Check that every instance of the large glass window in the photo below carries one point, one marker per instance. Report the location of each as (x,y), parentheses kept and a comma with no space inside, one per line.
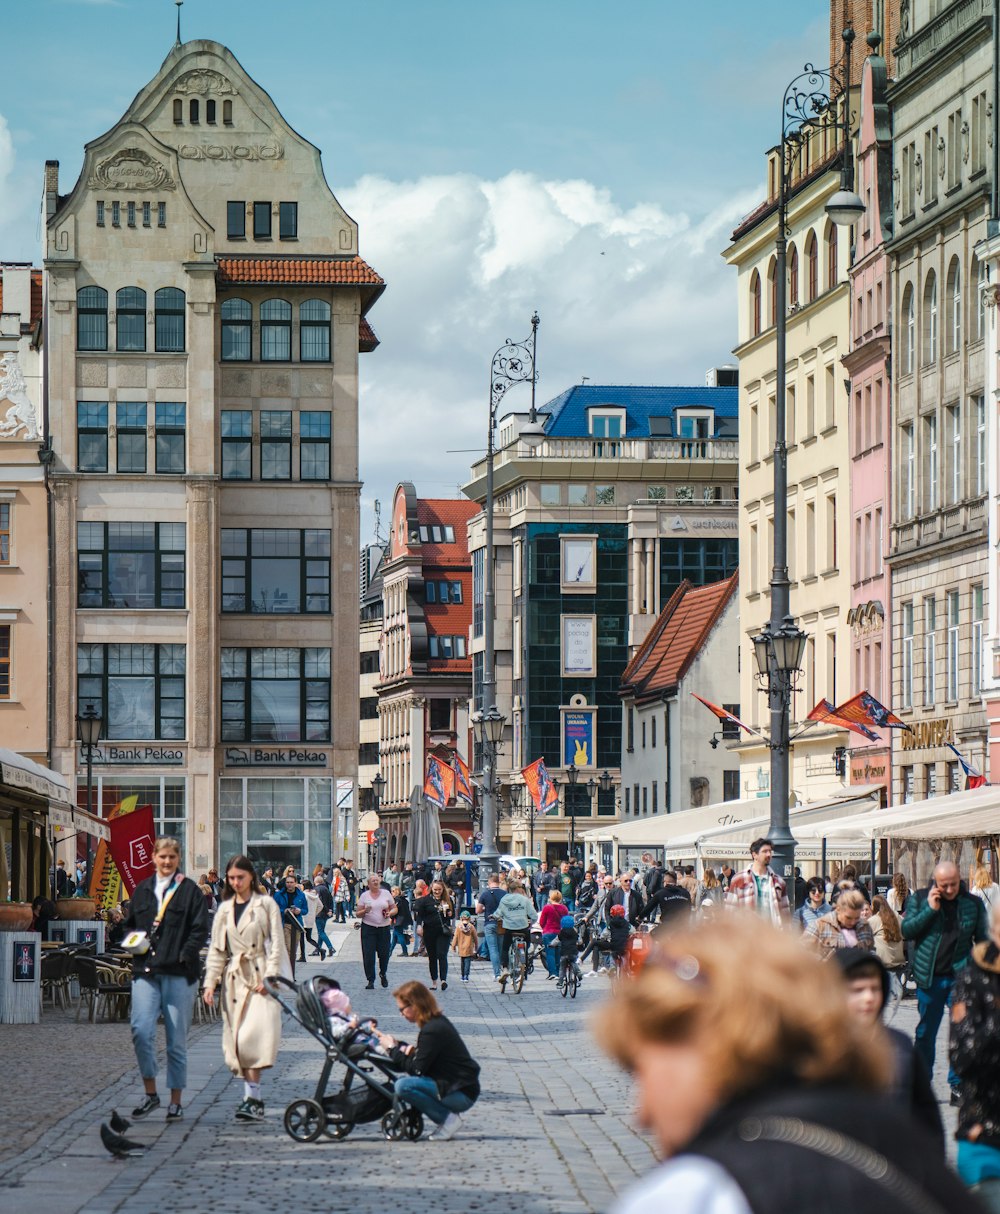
(446,646)
(236,317)
(164,794)
(268,571)
(170,435)
(288,220)
(276,331)
(275,820)
(443,591)
(130,565)
(314,331)
(130,421)
(262,221)
(91,436)
(314,445)
(478,590)
(92,318)
(169,304)
(276,695)
(138,689)
(236,220)
(275,444)
(237,454)
(130,319)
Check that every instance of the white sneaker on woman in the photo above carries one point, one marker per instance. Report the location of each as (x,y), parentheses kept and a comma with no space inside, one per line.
(446,1129)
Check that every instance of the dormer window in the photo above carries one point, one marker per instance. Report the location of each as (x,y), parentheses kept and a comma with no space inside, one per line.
(694,425)
(606,424)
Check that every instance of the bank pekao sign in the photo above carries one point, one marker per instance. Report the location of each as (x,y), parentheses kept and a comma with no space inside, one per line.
(154,756)
(274,756)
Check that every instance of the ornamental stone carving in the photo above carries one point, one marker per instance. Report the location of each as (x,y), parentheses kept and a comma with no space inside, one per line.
(239,151)
(204,80)
(21,414)
(131,169)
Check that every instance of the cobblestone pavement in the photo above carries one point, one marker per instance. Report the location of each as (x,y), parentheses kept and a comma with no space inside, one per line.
(537,1059)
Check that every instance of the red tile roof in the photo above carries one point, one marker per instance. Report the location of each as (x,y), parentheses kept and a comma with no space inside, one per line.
(367,341)
(454,512)
(676,639)
(301,271)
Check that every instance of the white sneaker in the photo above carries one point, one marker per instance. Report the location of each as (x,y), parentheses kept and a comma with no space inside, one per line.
(446,1129)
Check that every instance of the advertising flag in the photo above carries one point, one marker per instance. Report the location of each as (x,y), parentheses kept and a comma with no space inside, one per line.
(866,710)
(132,838)
(463,780)
(544,795)
(973,778)
(722,713)
(825,711)
(105,881)
(439,782)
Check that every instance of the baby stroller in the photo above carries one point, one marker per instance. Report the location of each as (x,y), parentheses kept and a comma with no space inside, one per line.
(366,1093)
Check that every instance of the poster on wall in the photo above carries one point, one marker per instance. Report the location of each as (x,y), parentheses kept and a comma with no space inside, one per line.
(25,960)
(579,728)
(579,649)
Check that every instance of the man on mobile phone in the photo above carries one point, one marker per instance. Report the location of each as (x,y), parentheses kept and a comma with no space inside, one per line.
(943,921)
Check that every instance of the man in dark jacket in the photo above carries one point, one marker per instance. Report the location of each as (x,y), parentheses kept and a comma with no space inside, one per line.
(628,896)
(671,901)
(943,921)
(544,881)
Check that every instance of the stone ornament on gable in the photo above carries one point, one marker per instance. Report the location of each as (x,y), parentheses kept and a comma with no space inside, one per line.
(21,414)
(240,151)
(204,80)
(131,169)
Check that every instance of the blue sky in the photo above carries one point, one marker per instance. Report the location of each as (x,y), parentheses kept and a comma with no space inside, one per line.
(560,154)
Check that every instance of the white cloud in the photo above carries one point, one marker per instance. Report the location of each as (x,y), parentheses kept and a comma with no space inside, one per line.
(635,295)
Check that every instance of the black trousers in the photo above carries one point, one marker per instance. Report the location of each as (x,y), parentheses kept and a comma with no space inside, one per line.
(437,956)
(374,941)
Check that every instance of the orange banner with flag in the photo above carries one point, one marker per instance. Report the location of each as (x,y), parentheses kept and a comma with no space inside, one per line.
(439,782)
(105,881)
(543,793)
(463,780)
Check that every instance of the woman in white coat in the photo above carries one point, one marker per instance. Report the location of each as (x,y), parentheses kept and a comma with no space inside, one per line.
(248,945)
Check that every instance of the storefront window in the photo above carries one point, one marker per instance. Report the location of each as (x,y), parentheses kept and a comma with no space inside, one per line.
(276,820)
(166,796)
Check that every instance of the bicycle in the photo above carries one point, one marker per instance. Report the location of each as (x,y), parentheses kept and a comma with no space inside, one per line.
(568,978)
(517,965)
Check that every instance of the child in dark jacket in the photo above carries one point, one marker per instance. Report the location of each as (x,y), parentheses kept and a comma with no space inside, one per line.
(569,944)
(619,930)
(402,924)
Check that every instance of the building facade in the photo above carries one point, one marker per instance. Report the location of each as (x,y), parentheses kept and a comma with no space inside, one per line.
(868,363)
(943,167)
(671,756)
(206,306)
(630,491)
(425,671)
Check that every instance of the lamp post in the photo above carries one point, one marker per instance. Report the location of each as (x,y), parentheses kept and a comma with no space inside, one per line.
(378,788)
(779,647)
(88,727)
(572,776)
(513,363)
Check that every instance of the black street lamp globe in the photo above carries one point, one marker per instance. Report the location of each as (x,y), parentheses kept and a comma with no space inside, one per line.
(606,780)
(572,774)
(89,724)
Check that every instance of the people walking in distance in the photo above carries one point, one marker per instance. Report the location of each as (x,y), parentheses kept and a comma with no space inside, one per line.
(465,942)
(898,893)
(887,932)
(248,947)
(975,1060)
(293,906)
(169,909)
(542,883)
(983,886)
(420,890)
(759,888)
(549,920)
(847,880)
(324,945)
(671,903)
(351,877)
(944,921)
(407,880)
(267,879)
(515,913)
(566,883)
(711,890)
(489,900)
(308,919)
(629,897)
(815,905)
(843,927)
(586,891)
(340,891)
(376,909)
(401,923)
(435,912)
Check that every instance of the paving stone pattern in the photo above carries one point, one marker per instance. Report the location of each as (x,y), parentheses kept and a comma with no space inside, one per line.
(537,1058)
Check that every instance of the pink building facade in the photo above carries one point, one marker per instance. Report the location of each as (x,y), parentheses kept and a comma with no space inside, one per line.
(868,365)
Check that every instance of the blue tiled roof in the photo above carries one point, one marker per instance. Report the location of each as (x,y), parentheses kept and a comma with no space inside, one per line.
(567,413)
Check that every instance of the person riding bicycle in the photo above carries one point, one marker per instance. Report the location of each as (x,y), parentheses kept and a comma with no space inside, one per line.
(619,930)
(515,912)
(569,944)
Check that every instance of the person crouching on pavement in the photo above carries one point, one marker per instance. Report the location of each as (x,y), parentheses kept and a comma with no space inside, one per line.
(762,1093)
(248,946)
(442,1078)
(465,942)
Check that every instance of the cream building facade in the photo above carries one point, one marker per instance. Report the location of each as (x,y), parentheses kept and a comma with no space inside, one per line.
(818,456)
(206,309)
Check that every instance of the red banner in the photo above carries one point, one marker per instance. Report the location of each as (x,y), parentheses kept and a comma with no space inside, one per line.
(132,838)
(105,880)
(542,791)
(439,782)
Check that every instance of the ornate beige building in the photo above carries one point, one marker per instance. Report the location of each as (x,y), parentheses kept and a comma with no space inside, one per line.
(206,307)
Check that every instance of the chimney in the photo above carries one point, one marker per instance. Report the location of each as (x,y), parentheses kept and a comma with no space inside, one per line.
(51,188)
(17,292)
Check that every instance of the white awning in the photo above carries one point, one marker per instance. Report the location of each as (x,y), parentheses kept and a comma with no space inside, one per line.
(25,775)
(975,811)
(660,829)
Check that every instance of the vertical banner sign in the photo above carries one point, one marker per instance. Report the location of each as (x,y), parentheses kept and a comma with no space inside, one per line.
(105,882)
(578,737)
(132,846)
(25,960)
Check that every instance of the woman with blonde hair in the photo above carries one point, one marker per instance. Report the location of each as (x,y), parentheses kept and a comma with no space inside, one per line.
(843,927)
(984,887)
(896,897)
(888,936)
(759,1087)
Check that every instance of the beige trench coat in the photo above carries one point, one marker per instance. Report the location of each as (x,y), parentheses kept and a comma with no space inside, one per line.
(242,957)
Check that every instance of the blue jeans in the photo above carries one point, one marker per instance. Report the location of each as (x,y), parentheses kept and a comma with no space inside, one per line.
(422,1093)
(549,953)
(173,997)
(397,936)
(492,947)
(931,1004)
(322,939)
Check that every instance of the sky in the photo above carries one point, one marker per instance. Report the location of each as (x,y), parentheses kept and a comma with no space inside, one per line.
(500,156)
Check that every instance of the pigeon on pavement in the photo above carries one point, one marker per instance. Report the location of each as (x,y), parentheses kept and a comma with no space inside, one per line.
(118,1123)
(120,1147)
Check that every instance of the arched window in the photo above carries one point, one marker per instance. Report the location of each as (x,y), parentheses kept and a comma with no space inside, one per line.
(227,113)
(210,112)
(275,331)
(169,305)
(954,335)
(314,331)
(793,276)
(236,315)
(755,304)
(930,319)
(772,292)
(130,319)
(178,112)
(812,260)
(908,334)
(831,255)
(92,318)
(193,112)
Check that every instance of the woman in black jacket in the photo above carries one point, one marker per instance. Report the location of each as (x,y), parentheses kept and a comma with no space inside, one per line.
(436,915)
(171,910)
(442,1078)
